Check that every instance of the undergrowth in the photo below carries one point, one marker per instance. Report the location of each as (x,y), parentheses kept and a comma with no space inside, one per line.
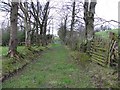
(102,76)
(26,54)
(80,58)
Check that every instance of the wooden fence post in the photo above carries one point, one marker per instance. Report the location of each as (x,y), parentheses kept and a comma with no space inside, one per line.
(112,44)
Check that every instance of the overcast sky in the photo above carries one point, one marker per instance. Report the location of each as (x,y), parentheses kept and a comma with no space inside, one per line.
(107,9)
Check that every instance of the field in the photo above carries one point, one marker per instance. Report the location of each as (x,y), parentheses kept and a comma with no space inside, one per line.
(105,34)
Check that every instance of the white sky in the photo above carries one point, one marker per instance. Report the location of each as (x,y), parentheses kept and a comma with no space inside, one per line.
(107,9)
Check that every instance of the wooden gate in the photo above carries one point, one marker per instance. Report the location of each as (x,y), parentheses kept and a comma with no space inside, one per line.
(104,51)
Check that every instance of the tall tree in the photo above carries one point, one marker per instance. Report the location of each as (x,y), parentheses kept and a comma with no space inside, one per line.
(65,28)
(33,12)
(41,17)
(89,11)
(13,33)
(37,21)
(72,24)
(45,19)
(27,22)
(72,21)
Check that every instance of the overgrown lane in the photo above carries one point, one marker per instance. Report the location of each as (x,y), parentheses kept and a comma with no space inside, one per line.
(55,68)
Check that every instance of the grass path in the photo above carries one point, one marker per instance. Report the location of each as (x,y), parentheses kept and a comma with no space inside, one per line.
(54,69)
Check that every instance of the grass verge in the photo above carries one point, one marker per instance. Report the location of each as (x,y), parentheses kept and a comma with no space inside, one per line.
(12,65)
(102,77)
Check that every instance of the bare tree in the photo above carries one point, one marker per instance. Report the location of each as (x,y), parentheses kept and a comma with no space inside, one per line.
(13,33)
(73,18)
(27,22)
(36,18)
(41,17)
(45,19)
(89,11)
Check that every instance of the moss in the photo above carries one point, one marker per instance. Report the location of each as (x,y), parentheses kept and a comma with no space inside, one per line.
(26,55)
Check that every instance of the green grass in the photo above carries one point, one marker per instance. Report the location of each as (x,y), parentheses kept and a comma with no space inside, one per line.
(20,49)
(6,63)
(81,58)
(105,34)
(11,64)
(54,69)
(5,50)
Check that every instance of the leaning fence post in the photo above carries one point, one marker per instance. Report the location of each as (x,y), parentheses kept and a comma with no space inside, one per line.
(109,51)
(111,45)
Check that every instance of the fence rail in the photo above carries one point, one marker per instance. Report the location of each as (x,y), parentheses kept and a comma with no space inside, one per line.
(104,51)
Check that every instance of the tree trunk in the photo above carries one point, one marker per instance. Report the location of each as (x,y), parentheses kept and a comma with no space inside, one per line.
(45,38)
(26,23)
(32,34)
(27,32)
(35,14)
(89,21)
(44,24)
(72,23)
(13,33)
(65,31)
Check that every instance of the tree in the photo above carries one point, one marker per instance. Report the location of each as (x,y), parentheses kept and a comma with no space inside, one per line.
(41,17)
(45,19)
(89,11)
(27,22)
(61,31)
(72,22)
(65,28)
(13,32)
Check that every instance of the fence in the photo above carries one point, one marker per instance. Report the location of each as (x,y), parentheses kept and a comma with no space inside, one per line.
(104,51)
